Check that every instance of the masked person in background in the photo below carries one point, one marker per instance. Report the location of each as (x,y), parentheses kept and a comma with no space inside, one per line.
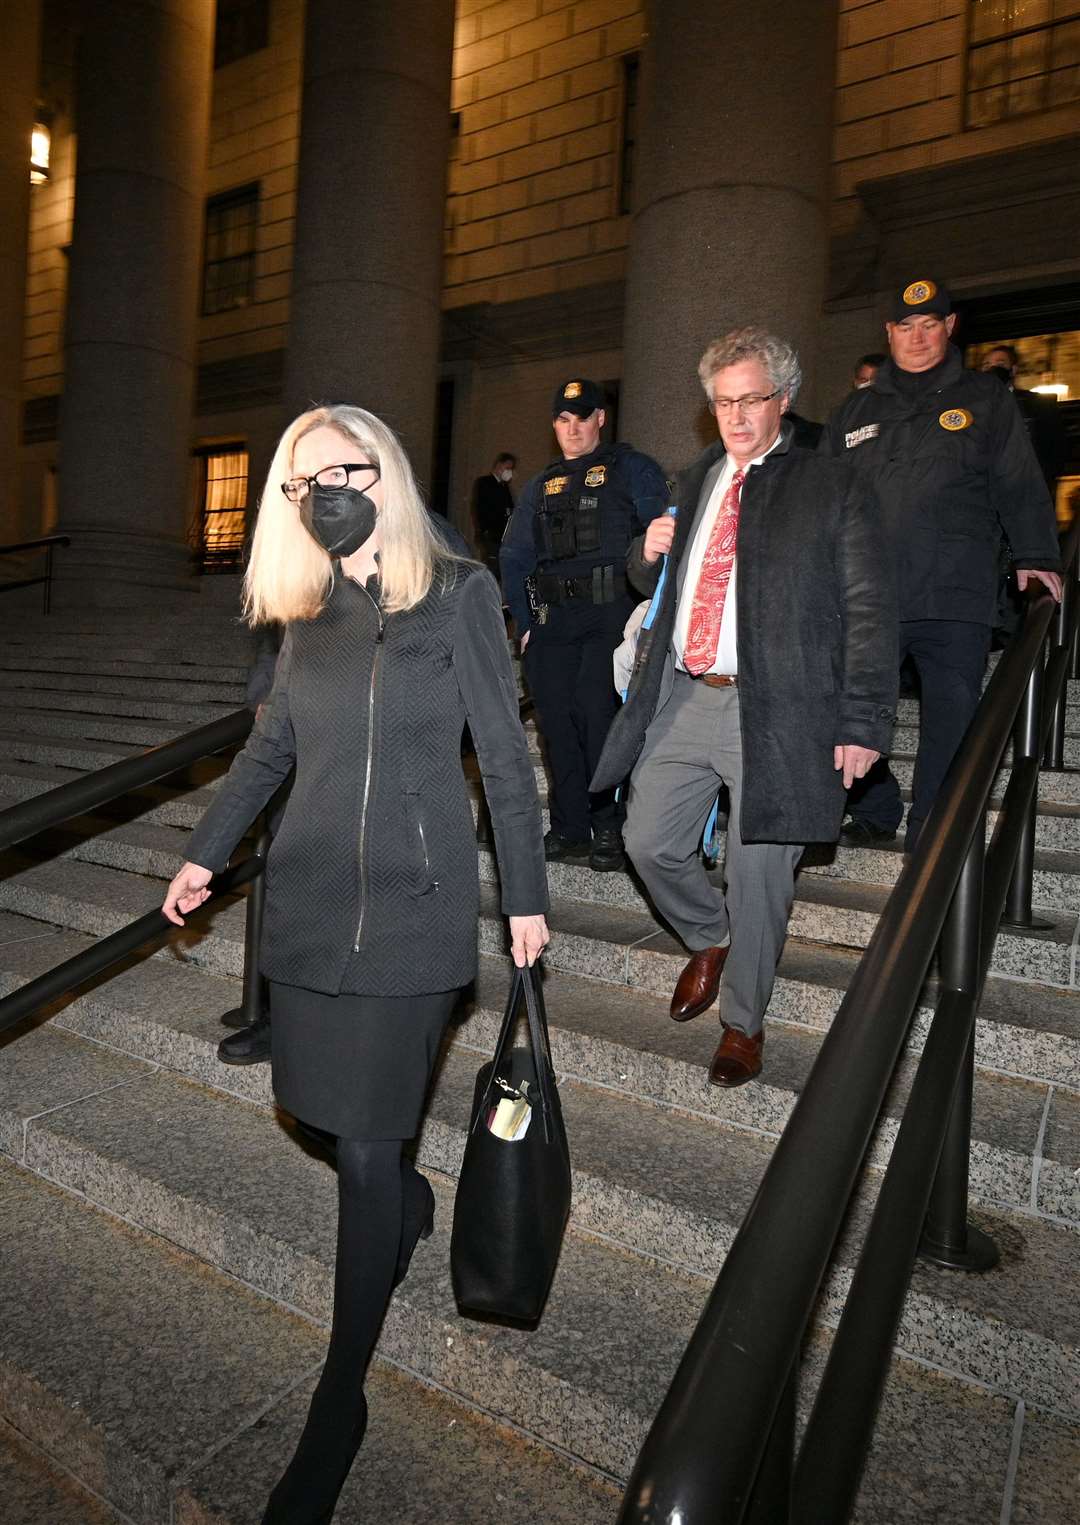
(392,642)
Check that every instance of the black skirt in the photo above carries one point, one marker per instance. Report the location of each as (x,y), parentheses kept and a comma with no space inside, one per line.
(356,1065)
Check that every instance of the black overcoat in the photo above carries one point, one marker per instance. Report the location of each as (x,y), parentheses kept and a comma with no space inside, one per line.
(816,626)
(372,879)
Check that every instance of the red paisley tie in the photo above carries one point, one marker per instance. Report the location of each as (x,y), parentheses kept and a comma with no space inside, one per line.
(707,611)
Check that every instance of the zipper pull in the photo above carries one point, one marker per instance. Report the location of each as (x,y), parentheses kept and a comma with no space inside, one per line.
(382,630)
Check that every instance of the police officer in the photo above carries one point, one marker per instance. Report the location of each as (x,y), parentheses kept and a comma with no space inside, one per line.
(563,564)
(947,455)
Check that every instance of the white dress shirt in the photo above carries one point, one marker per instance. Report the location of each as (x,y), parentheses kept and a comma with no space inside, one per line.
(727,656)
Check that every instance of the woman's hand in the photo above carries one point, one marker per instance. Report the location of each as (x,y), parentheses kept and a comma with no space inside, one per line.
(187,892)
(529,936)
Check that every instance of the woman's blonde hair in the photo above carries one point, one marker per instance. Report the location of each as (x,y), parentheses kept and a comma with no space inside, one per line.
(289,575)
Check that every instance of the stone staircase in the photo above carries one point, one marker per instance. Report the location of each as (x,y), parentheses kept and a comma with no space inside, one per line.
(169,1240)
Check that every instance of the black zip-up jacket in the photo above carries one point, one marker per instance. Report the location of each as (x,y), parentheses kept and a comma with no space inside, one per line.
(953,470)
(372,879)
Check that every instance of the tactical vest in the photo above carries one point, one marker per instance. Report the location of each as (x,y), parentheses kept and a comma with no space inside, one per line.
(585,514)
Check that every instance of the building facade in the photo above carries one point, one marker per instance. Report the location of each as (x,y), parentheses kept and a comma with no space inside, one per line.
(613,183)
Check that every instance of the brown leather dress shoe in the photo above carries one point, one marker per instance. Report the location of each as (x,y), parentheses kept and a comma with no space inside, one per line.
(699,984)
(737,1059)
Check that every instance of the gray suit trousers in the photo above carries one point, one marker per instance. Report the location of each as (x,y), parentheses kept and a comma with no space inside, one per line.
(693,745)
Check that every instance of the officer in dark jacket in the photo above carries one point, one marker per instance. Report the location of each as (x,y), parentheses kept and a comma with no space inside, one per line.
(949,459)
(563,571)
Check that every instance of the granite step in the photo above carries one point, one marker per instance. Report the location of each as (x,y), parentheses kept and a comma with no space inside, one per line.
(185,716)
(138,732)
(193,690)
(153,802)
(93,1124)
(1026,1131)
(835,911)
(192,1423)
(83,665)
(36,1491)
(89,888)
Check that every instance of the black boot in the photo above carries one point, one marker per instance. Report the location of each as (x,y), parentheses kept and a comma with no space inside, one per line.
(317,1462)
(251,1045)
(607,855)
(418,1220)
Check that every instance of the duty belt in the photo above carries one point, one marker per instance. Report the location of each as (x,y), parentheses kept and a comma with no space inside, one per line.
(603,585)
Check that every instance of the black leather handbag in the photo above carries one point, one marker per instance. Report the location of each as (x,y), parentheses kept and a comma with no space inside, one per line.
(513,1196)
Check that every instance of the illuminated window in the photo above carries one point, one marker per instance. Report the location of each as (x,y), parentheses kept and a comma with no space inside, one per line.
(222,519)
(232,221)
(242,27)
(1023,55)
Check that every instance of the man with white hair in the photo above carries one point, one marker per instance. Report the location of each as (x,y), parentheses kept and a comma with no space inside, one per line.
(771,669)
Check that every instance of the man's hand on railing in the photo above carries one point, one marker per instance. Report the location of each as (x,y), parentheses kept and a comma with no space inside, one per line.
(855,761)
(1051,580)
(187,892)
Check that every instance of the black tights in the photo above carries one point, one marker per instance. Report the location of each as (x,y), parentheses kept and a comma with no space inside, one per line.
(382,1199)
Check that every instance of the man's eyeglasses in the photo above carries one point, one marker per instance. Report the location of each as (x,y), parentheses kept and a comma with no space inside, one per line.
(328,476)
(753,402)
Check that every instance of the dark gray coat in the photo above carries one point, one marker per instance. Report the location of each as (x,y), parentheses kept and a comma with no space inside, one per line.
(817,634)
(372,880)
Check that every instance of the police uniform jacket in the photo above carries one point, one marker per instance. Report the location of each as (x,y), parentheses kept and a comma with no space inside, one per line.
(372,879)
(634,492)
(817,639)
(953,469)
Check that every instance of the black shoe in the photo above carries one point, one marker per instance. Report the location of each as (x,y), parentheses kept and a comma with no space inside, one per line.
(251,1045)
(856,833)
(607,855)
(418,1223)
(560,849)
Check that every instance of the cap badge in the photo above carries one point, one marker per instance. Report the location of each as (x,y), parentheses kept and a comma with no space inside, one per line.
(555,485)
(596,476)
(955,418)
(572,389)
(919,292)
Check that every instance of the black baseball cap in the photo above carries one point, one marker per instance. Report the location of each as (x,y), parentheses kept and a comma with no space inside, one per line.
(578,396)
(922,295)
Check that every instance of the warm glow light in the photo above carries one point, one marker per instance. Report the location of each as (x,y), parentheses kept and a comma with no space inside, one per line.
(1056,389)
(39,154)
(40,144)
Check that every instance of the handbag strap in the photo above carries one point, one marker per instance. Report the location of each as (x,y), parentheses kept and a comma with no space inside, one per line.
(525,985)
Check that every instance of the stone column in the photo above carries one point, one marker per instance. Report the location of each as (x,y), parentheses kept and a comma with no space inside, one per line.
(731,213)
(375,123)
(143,106)
(18,99)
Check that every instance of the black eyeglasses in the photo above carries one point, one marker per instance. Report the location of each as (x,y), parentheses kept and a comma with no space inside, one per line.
(753,402)
(327,476)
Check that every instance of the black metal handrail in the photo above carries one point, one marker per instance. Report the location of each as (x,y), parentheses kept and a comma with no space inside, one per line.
(56,806)
(48,543)
(721,1450)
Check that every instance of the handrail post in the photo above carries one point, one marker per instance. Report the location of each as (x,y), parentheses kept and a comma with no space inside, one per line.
(1054,756)
(1025,743)
(48,579)
(948,1239)
(251,1001)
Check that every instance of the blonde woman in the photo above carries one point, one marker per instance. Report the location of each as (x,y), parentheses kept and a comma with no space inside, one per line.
(392,643)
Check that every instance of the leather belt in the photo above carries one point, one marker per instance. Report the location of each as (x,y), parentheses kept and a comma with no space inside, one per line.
(716,680)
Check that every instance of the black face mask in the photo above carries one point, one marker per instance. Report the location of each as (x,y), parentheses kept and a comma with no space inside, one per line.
(339,518)
(1002,373)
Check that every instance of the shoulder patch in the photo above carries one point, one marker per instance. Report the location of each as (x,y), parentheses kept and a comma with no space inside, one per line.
(955,418)
(596,476)
(919,292)
(554,485)
(860,436)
